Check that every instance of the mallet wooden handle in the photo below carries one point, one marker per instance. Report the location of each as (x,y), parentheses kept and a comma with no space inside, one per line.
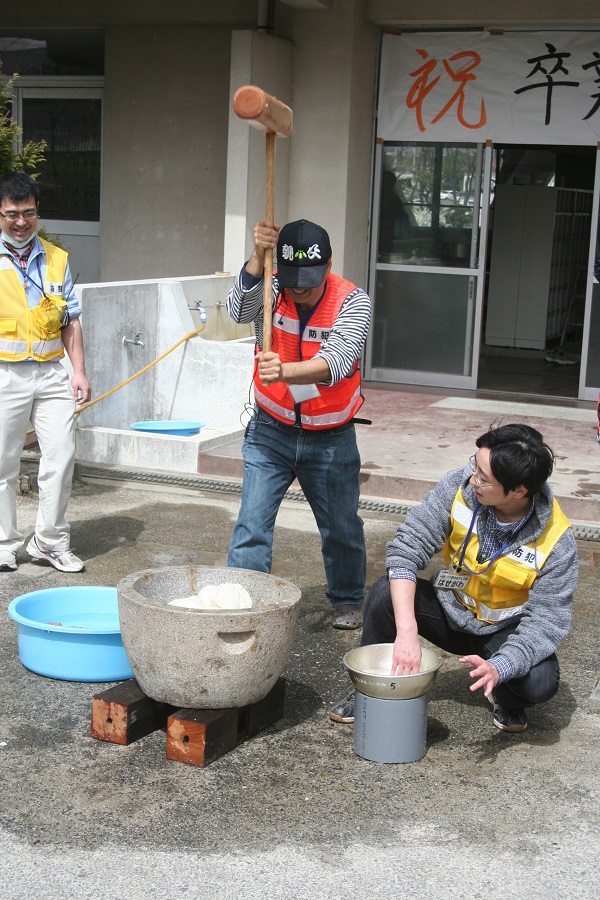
(268,293)
(270,115)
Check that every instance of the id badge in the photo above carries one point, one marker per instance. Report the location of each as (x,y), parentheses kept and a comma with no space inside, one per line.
(450,580)
(301,392)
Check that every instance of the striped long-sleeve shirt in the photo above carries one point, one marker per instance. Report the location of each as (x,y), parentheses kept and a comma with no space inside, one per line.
(346,339)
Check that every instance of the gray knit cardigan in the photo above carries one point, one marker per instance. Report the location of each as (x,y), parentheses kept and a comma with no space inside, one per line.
(546,617)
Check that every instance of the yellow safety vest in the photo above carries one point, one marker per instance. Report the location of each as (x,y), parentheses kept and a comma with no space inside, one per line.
(502,591)
(32,333)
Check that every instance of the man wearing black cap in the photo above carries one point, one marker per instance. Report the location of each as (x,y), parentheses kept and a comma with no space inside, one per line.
(307,391)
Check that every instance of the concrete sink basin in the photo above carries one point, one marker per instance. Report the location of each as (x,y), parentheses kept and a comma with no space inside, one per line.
(209,659)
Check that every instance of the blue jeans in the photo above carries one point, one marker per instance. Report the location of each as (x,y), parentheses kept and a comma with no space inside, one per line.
(327,465)
(537,686)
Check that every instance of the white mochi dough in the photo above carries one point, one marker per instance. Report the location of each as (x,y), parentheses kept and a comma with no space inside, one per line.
(217,596)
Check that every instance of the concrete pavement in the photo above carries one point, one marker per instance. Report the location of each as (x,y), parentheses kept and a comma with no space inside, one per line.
(293,813)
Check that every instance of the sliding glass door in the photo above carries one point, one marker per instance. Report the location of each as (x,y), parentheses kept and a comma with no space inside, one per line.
(428,262)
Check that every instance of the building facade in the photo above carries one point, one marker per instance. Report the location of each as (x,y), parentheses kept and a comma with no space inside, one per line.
(452,156)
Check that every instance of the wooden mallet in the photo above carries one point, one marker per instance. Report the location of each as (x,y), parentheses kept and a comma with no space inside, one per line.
(274,118)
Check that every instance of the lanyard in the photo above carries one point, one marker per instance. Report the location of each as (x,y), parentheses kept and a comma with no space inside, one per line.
(65,318)
(463,547)
(27,277)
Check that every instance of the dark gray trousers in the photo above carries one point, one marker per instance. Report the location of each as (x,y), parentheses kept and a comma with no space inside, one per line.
(379,627)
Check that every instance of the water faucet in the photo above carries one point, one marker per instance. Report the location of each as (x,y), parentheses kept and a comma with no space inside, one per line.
(201,310)
(137,340)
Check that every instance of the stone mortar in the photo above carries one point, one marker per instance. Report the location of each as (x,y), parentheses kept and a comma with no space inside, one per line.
(207,659)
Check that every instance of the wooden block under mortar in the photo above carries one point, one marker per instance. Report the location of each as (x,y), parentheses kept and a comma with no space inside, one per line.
(123,714)
(199,736)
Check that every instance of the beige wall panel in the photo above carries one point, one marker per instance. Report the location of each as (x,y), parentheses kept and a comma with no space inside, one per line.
(360,155)
(330,164)
(474,12)
(87,13)
(164,161)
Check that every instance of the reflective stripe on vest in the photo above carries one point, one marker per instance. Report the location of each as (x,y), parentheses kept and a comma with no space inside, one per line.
(326,420)
(280,412)
(22,336)
(502,590)
(337,403)
(330,420)
(48,349)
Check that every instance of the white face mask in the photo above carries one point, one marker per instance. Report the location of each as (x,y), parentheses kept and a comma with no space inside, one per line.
(18,245)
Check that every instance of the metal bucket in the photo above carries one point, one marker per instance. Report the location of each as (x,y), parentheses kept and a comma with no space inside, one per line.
(369,669)
(390,711)
(390,731)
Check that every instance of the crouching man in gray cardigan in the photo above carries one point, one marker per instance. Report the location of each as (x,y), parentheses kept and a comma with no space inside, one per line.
(504,599)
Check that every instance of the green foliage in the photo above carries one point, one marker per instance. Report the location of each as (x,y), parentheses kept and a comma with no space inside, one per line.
(53,238)
(32,154)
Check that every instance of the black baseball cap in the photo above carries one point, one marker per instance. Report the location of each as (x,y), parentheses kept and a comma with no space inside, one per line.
(303,252)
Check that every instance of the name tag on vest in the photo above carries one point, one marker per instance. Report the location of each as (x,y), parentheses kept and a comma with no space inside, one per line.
(450,580)
(526,556)
(53,287)
(316,334)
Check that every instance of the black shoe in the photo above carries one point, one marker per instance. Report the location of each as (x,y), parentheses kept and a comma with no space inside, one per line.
(511,720)
(344,710)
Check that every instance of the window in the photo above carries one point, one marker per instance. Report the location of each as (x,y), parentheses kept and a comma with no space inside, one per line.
(426,204)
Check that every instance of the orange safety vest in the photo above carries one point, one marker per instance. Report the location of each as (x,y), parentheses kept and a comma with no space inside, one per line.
(337,403)
(32,332)
(502,590)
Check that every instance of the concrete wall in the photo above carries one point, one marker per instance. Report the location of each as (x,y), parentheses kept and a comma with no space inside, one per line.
(335,57)
(88,13)
(331,92)
(244,13)
(166,106)
(204,380)
(170,152)
(474,12)
(111,313)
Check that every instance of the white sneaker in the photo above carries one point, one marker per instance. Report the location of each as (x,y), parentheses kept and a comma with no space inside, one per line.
(8,561)
(64,560)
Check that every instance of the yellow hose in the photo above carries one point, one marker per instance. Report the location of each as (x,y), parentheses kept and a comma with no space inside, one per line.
(137,374)
(141,372)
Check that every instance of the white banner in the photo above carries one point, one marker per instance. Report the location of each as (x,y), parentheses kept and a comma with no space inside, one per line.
(517,87)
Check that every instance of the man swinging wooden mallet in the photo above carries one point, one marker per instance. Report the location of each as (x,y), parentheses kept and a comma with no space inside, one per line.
(310,327)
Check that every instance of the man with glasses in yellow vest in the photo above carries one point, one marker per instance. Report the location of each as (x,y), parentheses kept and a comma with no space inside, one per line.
(503,601)
(39,320)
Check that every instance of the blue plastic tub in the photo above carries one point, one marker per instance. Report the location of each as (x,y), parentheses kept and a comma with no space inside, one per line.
(183,429)
(71,633)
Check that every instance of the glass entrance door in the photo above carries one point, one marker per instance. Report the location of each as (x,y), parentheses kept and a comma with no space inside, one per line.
(428,263)
(589,383)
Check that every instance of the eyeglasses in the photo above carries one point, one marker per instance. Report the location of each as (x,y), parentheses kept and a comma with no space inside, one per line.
(25,214)
(476,476)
